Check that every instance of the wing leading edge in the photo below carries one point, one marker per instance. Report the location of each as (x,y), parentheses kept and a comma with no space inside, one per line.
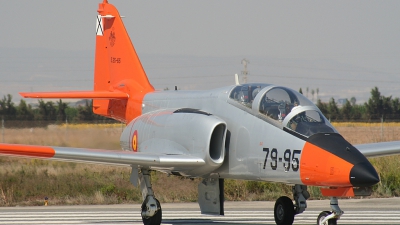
(99,156)
(379,149)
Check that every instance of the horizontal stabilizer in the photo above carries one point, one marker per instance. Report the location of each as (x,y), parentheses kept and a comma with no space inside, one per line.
(99,156)
(77,94)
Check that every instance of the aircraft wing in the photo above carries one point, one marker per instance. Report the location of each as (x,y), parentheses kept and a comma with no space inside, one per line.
(114,157)
(379,149)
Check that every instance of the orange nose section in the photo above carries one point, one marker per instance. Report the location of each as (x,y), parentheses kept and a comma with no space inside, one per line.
(322,168)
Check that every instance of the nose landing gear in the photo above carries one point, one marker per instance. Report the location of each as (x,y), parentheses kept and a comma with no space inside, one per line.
(330,218)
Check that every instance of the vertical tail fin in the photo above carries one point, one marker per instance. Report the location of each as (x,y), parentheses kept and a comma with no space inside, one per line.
(120,81)
(117,66)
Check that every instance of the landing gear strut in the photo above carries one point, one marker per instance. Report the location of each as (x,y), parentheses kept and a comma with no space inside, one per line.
(300,196)
(151,207)
(330,218)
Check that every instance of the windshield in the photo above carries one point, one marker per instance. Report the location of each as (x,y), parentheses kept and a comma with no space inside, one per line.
(310,122)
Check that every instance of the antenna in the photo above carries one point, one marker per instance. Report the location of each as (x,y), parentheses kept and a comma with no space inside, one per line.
(237,79)
(245,72)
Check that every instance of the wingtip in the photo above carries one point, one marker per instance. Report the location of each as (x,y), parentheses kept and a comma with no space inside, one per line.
(25,95)
(27,150)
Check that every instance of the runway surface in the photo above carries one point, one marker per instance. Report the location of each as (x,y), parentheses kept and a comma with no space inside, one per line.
(357,211)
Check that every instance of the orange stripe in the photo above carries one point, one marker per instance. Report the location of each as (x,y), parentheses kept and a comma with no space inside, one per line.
(27,150)
(322,168)
(76,94)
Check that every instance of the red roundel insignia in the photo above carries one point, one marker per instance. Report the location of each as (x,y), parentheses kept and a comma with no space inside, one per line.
(112,38)
(135,141)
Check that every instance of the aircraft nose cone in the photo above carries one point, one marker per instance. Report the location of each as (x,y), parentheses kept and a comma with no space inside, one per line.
(363,175)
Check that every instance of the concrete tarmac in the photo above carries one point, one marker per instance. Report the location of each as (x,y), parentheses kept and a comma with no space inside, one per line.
(357,211)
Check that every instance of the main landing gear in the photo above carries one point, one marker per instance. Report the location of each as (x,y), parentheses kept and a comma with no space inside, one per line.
(151,207)
(285,210)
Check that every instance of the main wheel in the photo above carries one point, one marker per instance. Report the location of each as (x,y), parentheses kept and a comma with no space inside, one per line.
(154,220)
(284,211)
(322,216)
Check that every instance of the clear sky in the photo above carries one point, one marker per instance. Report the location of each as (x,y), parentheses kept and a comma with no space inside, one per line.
(343,48)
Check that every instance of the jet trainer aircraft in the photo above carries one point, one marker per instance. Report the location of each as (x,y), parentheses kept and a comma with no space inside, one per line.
(253,131)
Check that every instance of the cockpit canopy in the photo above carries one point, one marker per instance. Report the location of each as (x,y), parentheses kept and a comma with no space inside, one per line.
(282,107)
(278,102)
(246,93)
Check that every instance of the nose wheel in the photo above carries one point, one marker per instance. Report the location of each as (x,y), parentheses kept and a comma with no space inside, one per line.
(330,218)
(322,216)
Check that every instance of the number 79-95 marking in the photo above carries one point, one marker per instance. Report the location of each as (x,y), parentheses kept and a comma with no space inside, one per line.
(289,158)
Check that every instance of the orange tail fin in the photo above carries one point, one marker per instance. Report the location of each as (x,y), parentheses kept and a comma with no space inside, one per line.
(120,81)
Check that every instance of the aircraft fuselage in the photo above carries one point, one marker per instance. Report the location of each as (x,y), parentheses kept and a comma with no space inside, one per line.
(260,145)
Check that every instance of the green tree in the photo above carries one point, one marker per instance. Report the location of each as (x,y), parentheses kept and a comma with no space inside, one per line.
(307,92)
(71,114)
(323,107)
(346,110)
(378,106)
(46,111)
(312,94)
(353,101)
(396,108)
(7,108)
(357,112)
(333,110)
(24,111)
(61,111)
(85,114)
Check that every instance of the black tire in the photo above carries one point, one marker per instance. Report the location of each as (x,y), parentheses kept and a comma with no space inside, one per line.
(154,220)
(284,211)
(322,216)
